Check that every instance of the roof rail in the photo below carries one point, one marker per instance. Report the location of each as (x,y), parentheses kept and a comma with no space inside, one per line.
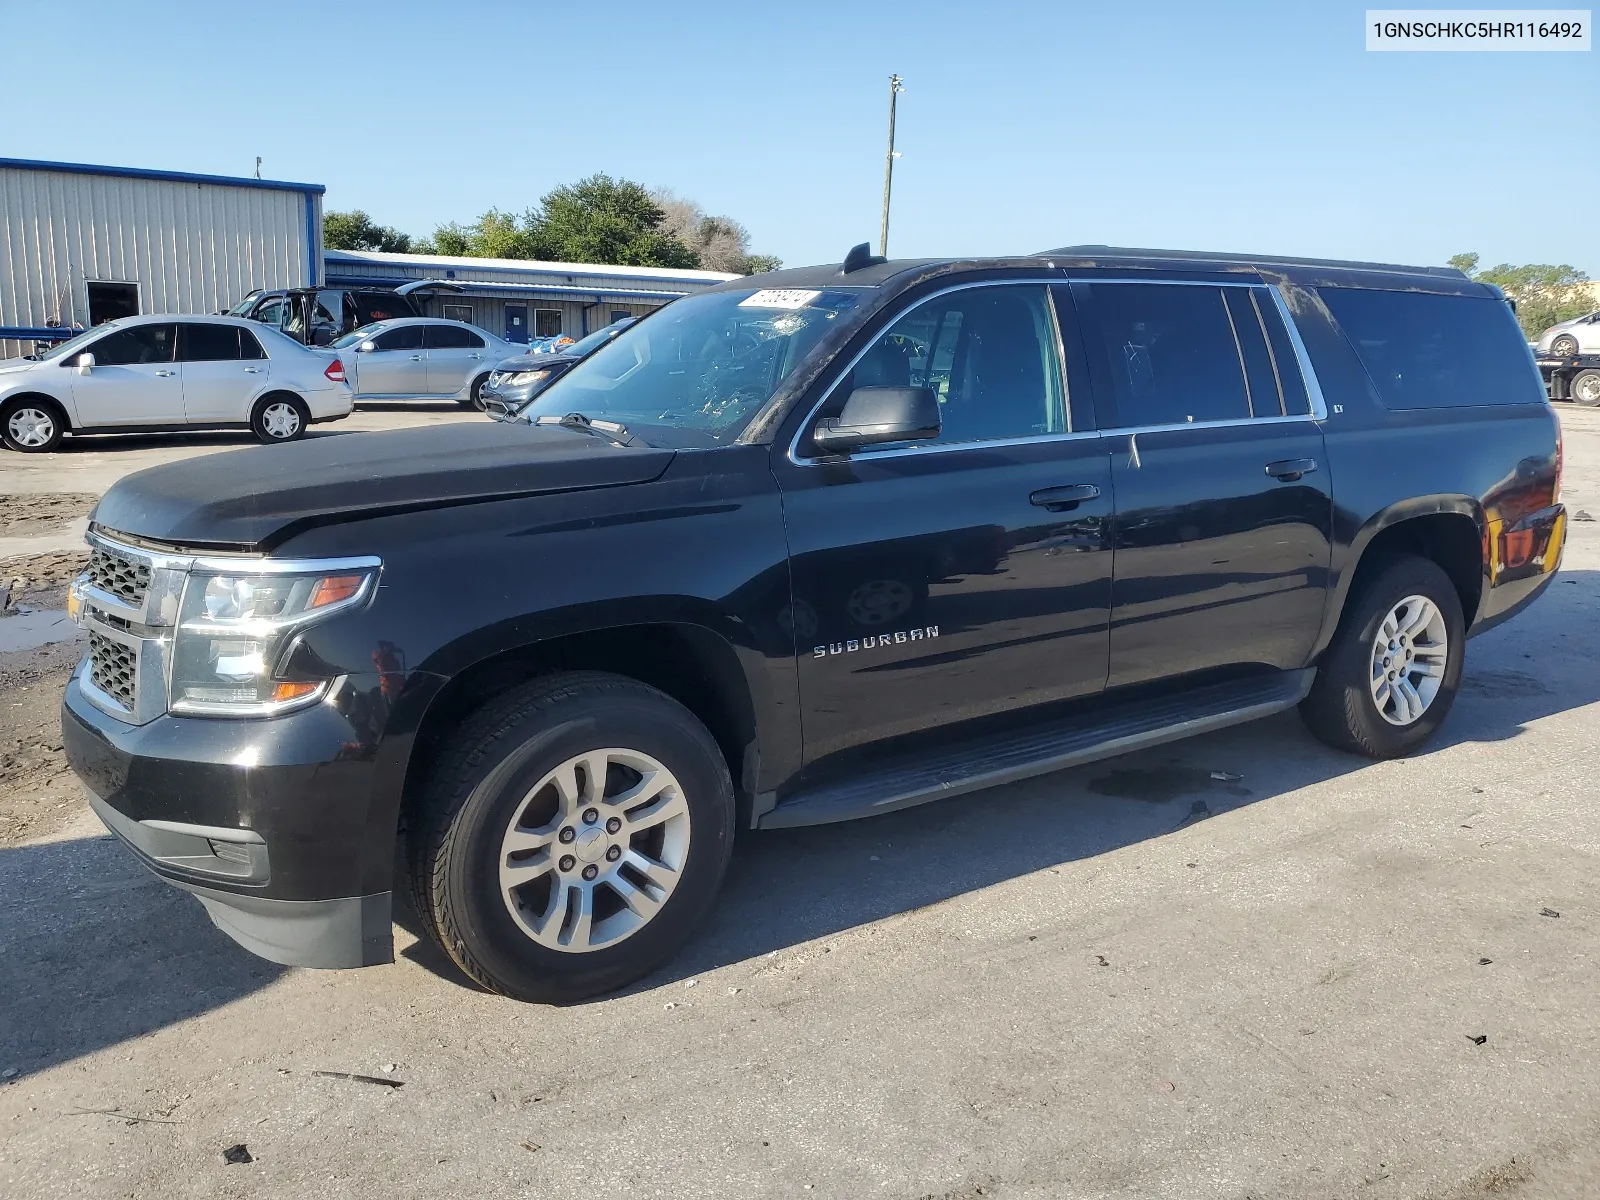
(1276,259)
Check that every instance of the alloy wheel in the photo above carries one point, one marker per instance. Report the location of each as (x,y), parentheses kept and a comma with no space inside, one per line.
(280,420)
(31,427)
(594,849)
(1409,656)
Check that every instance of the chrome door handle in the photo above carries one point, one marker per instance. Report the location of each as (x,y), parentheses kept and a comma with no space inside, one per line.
(474,356)
(416,358)
(252,370)
(1290,469)
(165,374)
(1063,499)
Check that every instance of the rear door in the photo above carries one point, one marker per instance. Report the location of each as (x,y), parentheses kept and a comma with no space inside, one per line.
(455,355)
(396,366)
(223,367)
(1224,512)
(939,581)
(136,379)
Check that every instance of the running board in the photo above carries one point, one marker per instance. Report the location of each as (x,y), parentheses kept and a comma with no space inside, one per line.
(1036,750)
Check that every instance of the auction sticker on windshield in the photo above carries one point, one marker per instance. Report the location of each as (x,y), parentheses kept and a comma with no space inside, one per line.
(779,298)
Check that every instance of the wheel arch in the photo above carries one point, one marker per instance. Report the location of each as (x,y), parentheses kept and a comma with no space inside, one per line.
(694,664)
(62,409)
(1449,530)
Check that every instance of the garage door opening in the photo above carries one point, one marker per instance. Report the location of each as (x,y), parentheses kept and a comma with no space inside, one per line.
(108,301)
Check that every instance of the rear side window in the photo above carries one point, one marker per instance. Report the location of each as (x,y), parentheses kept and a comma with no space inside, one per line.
(450,337)
(1423,350)
(1165,354)
(139,344)
(406,337)
(208,343)
(250,346)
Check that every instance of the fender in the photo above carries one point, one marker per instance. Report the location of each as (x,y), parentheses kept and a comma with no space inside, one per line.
(1348,562)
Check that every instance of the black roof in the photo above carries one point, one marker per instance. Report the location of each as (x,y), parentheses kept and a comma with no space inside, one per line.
(880,273)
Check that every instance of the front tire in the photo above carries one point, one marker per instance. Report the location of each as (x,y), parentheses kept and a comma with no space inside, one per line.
(279,417)
(1584,388)
(31,425)
(1564,346)
(571,835)
(1390,676)
(475,394)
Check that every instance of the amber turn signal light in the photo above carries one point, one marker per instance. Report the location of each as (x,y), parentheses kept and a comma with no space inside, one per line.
(292,691)
(333,588)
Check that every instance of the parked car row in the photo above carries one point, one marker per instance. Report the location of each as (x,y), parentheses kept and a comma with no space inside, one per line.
(148,373)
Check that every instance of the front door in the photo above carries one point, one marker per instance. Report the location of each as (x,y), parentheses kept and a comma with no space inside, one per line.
(136,379)
(939,581)
(517,323)
(1224,513)
(223,369)
(395,366)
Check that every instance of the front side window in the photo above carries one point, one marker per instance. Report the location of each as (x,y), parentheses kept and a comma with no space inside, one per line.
(1167,354)
(698,370)
(989,356)
(135,346)
(208,343)
(406,337)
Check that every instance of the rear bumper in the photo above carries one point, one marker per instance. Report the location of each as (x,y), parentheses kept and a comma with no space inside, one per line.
(281,827)
(1523,558)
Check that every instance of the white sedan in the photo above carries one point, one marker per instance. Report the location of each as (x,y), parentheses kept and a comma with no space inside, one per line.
(170,372)
(421,358)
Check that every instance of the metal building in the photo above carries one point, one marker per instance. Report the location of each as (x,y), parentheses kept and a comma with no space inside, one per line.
(81,244)
(521,299)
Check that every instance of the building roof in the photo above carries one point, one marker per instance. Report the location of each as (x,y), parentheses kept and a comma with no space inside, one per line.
(438,264)
(275,185)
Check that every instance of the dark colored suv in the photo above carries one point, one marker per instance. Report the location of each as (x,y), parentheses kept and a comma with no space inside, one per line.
(799,549)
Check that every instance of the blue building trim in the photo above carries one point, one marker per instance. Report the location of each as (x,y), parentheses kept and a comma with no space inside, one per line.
(43,333)
(313,243)
(273,185)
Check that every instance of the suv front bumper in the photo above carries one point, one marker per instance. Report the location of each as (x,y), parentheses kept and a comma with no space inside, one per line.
(272,823)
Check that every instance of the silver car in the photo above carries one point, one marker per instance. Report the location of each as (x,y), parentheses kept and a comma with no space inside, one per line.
(1581,335)
(421,358)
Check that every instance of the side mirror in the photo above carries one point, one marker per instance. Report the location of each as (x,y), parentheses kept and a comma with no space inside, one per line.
(874,415)
(367,347)
(84,362)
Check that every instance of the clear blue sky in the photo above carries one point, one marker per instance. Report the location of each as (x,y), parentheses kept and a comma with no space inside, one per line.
(1024,125)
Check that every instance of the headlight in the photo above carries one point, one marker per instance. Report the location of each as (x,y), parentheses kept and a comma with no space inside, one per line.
(523,378)
(233,631)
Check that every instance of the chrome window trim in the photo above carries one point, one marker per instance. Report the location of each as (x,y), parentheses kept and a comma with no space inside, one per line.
(800,460)
(1319,406)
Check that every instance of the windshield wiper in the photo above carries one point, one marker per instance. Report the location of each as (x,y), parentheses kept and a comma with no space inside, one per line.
(613,431)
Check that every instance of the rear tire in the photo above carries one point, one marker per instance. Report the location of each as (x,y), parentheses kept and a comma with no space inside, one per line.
(1564,346)
(280,417)
(1584,388)
(1384,700)
(475,394)
(525,863)
(31,425)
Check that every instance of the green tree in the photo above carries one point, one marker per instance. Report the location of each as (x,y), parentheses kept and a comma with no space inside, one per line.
(1544,294)
(596,220)
(355,230)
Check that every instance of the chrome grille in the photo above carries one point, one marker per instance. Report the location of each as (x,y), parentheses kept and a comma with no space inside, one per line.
(114,669)
(123,578)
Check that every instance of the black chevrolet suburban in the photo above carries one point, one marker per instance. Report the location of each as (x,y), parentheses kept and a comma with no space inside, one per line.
(799,548)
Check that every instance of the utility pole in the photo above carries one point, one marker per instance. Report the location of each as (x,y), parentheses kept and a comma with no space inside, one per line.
(888,166)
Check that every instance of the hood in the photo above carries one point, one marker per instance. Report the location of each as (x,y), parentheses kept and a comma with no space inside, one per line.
(11,366)
(258,498)
(537,362)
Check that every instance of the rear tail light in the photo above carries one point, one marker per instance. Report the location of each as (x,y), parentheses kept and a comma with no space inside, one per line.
(335,371)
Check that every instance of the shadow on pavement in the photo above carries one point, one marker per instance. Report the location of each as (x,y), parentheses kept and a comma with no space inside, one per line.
(94,950)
